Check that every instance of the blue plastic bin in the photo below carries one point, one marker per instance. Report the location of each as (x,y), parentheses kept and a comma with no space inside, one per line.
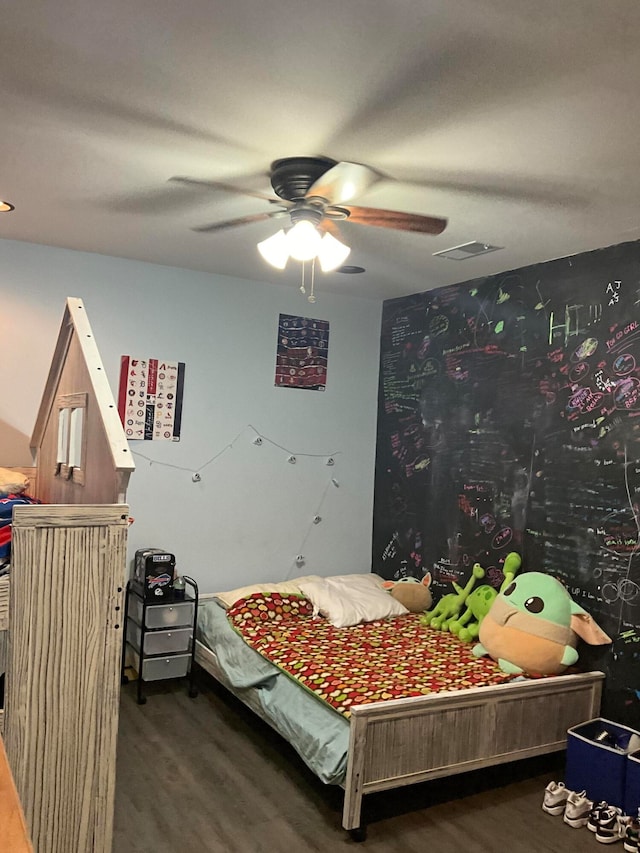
(632,786)
(597,767)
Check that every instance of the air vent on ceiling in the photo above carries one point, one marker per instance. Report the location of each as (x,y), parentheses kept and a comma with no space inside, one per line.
(467,250)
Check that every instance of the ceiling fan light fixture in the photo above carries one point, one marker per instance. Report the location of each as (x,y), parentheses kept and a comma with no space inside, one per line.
(332,253)
(275,250)
(303,240)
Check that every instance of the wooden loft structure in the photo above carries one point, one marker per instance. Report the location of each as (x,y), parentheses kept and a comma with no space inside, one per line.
(61,607)
(77,387)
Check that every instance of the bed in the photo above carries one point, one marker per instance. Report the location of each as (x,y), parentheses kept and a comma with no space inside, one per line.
(385,744)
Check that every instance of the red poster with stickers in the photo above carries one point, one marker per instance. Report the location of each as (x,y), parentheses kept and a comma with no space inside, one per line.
(150,398)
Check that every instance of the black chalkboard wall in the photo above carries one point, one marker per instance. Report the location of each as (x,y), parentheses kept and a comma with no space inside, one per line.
(509,420)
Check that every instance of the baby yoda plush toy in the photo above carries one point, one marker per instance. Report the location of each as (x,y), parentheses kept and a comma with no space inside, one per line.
(414,594)
(532,626)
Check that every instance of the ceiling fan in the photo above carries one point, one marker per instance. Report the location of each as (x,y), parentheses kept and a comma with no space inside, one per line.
(315,193)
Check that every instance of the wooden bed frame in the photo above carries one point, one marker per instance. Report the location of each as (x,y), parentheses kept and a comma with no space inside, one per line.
(404,741)
(61,607)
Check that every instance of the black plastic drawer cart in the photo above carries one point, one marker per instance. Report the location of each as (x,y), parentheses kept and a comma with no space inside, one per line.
(161,635)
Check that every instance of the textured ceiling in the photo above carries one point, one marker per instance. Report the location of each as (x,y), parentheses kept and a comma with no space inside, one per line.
(518,121)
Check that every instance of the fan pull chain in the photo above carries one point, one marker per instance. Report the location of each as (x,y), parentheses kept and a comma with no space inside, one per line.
(311,297)
(302,287)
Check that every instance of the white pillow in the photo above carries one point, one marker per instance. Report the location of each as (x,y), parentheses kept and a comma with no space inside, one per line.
(350,599)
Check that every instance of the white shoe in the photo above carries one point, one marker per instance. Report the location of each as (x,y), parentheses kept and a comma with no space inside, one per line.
(555,798)
(577,809)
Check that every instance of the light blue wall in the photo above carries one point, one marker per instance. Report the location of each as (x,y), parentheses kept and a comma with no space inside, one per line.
(252,512)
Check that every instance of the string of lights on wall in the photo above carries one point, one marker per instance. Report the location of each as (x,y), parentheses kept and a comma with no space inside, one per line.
(291,458)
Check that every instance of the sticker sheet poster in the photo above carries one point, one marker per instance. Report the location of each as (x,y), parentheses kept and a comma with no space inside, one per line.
(303,349)
(150,398)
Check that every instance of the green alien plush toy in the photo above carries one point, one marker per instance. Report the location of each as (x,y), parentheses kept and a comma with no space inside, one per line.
(533,627)
(449,607)
(479,602)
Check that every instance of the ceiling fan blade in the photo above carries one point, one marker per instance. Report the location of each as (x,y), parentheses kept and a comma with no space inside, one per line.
(396,219)
(330,226)
(227,188)
(242,220)
(343,182)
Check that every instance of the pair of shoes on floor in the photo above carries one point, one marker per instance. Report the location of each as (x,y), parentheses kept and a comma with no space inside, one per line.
(610,826)
(573,805)
(631,836)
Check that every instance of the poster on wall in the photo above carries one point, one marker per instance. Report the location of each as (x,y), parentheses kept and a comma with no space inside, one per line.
(303,350)
(150,398)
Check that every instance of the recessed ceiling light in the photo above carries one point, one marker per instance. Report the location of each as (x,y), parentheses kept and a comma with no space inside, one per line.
(5,207)
(467,250)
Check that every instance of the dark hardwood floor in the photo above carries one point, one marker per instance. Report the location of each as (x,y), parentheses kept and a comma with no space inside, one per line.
(205,774)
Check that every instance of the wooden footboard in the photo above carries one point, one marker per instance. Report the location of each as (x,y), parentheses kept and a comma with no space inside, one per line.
(404,741)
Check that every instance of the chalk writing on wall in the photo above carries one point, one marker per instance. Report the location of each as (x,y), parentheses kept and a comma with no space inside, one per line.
(509,419)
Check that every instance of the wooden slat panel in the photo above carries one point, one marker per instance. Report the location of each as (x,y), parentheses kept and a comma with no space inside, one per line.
(4,603)
(70,515)
(440,738)
(63,677)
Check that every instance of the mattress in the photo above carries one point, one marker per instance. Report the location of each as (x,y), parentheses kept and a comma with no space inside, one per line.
(319,735)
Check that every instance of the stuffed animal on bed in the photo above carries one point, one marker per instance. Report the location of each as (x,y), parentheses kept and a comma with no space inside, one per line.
(450,605)
(414,594)
(12,482)
(533,627)
(480,601)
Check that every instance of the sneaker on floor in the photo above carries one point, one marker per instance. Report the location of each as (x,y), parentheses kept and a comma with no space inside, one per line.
(577,809)
(611,826)
(631,840)
(555,798)
(594,815)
